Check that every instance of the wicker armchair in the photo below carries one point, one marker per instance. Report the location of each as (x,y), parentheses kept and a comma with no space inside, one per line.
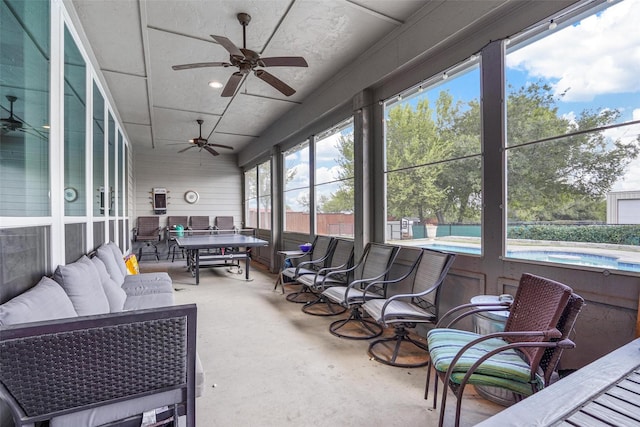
(540,319)
(74,370)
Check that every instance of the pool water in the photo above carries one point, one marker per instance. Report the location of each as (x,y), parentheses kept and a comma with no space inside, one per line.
(561,257)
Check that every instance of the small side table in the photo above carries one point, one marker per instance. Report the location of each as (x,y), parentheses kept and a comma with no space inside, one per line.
(484,323)
(286,255)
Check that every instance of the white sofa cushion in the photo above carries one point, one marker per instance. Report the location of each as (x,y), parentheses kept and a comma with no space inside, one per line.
(81,282)
(139,302)
(105,253)
(119,257)
(115,294)
(147,283)
(45,301)
(116,411)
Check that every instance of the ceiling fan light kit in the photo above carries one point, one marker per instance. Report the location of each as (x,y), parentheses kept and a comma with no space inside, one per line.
(247,61)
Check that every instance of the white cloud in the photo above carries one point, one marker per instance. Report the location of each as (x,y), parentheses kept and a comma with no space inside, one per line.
(327,149)
(324,174)
(300,177)
(580,60)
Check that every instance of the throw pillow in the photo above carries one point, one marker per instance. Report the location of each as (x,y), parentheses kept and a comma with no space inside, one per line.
(115,294)
(105,253)
(81,282)
(119,257)
(45,301)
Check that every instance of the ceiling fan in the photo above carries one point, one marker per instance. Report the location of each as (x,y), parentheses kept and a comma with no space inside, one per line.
(248,60)
(15,124)
(11,123)
(201,143)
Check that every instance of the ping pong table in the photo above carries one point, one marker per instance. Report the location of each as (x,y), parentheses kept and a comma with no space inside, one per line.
(231,248)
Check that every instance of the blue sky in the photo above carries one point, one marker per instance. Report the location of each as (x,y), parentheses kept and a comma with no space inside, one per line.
(595,61)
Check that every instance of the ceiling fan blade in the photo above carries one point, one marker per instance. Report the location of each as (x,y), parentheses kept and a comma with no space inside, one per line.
(211,150)
(283,61)
(185,149)
(220,145)
(228,44)
(200,65)
(275,82)
(232,84)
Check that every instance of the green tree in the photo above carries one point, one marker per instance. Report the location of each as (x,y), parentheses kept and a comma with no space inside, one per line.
(563,178)
(342,199)
(414,139)
(560,179)
(461,179)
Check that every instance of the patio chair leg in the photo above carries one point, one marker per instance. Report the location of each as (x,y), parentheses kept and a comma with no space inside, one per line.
(430,367)
(302,296)
(369,328)
(331,307)
(148,244)
(401,336)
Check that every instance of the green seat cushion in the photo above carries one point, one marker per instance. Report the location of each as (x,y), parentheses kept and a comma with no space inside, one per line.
(506,369)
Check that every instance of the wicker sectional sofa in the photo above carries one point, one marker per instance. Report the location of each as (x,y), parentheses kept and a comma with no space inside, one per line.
(94,345)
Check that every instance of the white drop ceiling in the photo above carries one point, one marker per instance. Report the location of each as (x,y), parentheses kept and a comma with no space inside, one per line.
(136,42)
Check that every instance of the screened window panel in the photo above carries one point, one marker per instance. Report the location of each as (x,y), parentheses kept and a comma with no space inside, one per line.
(25,259)
(24,77)
(111,151)
(251,197)
(98,234)
(120,174)
(75,195)
(264,195)
(573,143)
(296,184)
(99,198)
(434,162)
(75,241)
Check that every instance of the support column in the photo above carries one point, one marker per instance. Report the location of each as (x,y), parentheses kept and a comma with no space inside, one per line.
(364,191)
(493,174)
(277,204)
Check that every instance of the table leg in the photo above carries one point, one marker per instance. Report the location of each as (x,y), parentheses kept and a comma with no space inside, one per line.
(247,262)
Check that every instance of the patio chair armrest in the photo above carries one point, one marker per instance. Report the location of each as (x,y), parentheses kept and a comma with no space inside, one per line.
(372,281)
(325,272)
(388,281)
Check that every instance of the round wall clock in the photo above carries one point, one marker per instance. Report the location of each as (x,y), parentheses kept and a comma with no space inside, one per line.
(70,194)
(191,196)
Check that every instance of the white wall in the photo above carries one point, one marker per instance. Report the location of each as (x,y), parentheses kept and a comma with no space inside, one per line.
(217,180)
(623,207)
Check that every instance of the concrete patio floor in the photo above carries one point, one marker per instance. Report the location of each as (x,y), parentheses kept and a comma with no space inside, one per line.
(269,364)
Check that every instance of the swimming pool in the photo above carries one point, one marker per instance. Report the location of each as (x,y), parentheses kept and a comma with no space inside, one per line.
(561,257)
